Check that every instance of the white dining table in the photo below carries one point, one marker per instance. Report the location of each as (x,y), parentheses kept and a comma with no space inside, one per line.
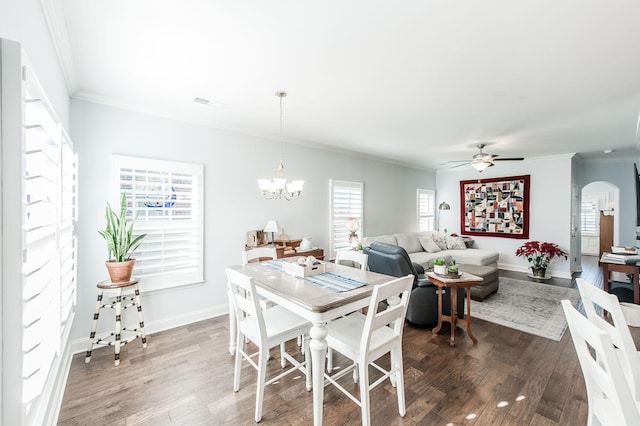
(316,304)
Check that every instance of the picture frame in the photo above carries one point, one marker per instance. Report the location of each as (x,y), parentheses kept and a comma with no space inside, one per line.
(495,207)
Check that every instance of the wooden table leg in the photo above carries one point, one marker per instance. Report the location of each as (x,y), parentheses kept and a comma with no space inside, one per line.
(439,326)
(453,310)
(468,318)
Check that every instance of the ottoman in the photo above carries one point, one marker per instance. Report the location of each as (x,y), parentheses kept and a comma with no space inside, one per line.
(489,275)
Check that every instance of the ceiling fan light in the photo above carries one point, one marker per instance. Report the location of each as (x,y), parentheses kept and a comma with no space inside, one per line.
(480,165)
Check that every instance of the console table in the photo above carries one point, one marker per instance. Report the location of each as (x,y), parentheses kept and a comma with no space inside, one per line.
(287,248)
(628,268)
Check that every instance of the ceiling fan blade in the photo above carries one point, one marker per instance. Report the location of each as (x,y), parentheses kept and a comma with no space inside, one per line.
(458,161)
(459,165)
(509,159)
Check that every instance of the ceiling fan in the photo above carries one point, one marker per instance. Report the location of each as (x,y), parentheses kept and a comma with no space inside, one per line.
(482,160)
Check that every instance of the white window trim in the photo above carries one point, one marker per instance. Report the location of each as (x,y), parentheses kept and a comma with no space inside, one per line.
(342,183)
(431,192)
(160,281)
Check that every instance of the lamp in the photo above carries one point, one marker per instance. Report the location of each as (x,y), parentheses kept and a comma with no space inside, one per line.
(273,227)
(278,187)
(442,206)
(481,165)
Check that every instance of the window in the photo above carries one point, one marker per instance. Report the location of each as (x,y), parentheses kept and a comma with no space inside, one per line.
(589,217)
(426,210)
(166,198)
(346,203)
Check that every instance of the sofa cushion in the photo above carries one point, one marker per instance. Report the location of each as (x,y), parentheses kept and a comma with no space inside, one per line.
(387,239)
(409,241)
(473,256)
(455,243)
(426,259)
(438,238)
(428,244)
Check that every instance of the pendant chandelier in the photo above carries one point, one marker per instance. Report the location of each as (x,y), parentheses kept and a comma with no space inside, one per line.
(278,187)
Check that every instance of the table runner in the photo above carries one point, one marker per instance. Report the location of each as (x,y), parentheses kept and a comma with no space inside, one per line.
(328,280)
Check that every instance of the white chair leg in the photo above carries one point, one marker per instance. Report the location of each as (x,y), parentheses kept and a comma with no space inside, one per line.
(232,326)
(238,363)
(262,374)
(399,381)
(329,360)
(283,361)
(355,373)
(364,394)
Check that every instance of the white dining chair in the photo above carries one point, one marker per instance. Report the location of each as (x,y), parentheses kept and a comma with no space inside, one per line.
(365,339)
(266,328)
(617,329)
(608,394)
(265,252)
(351,257)
(255,254)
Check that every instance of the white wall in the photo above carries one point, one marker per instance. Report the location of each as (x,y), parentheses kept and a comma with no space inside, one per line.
(549,207)
(233,203)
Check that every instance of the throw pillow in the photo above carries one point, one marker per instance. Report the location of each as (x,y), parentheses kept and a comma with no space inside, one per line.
(439,239)
(455,243)
(428,244)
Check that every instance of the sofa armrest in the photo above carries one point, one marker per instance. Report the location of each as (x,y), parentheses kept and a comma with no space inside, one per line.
(419,268)
(423,281)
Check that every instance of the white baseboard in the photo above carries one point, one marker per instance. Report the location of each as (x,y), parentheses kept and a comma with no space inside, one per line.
(80,345)
(527,270)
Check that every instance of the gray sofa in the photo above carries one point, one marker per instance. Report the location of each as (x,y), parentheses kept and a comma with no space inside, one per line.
(445,246)
(424,247)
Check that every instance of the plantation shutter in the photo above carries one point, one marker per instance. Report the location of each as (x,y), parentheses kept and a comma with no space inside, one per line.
(426,210)
(166,200)
(346,203)
(39,256)
(589,217)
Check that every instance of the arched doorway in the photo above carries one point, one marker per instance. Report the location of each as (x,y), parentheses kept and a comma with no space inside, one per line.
(597,197)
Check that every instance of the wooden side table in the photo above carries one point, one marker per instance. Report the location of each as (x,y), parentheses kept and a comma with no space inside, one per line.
(465,281)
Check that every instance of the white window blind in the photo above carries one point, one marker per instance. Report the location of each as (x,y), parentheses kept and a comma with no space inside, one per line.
(49,241)
(426,210)
(166,198)
(346,203)
(589,217)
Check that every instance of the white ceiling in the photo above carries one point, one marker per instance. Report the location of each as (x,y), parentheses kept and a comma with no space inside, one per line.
(413,81)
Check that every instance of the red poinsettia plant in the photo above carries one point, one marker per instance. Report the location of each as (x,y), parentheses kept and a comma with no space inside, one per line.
(540,254)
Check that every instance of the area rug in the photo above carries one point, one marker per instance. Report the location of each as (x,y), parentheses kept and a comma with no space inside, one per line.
(527,306)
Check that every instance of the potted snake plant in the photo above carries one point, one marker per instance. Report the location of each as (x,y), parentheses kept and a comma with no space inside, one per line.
(120,242)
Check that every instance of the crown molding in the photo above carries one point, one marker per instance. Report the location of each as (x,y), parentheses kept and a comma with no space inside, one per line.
(52,10)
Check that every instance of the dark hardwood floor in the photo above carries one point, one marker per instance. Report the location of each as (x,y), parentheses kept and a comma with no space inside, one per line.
(185,377)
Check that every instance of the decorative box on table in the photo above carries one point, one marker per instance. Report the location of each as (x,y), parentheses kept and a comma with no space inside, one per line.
(304,270)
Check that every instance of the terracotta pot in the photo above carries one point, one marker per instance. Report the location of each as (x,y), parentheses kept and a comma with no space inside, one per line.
(120,272)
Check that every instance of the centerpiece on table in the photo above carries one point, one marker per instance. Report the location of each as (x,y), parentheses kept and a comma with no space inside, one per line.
(353,225)
(120,242)
(539,255)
